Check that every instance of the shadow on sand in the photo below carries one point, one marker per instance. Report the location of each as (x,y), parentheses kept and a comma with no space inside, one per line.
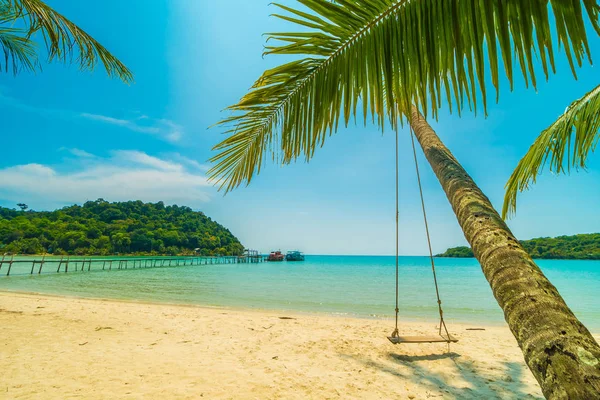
(474,382)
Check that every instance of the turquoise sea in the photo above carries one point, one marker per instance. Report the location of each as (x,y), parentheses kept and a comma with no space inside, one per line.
(361,286)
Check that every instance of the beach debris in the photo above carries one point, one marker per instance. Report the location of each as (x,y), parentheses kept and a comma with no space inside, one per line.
(275,358)
(268,327)
(286,318)
(10,311)
(83,344)
(103,328)
(411,396)
(476,329)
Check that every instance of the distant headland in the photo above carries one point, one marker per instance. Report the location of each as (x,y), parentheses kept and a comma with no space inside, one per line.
(103,228)
(576,247)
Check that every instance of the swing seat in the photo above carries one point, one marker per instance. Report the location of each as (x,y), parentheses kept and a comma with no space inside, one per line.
(422,339)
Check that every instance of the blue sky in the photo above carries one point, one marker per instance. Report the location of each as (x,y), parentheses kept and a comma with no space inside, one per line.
(71,136)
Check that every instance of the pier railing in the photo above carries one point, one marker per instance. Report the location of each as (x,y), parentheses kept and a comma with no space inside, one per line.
(32,265)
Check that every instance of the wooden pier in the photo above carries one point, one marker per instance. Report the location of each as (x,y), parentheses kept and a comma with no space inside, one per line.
(79,264)
(251,257)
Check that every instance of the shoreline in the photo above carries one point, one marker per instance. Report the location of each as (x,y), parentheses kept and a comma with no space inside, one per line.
(389,318)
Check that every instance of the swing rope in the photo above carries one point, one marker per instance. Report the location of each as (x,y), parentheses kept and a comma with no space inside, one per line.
(395,334)
(437,289)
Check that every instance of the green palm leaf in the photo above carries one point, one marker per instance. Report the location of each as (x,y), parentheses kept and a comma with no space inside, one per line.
(64,40)
(566,144)
(19,52)
(378,57)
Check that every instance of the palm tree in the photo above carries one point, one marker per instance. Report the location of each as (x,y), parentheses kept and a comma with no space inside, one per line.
(23,21)
(393,59)
(565,144)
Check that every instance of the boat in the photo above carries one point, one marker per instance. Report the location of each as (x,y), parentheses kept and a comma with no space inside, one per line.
(294,256)
(275,256)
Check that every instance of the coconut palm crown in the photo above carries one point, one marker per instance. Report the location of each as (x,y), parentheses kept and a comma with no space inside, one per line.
(376,58)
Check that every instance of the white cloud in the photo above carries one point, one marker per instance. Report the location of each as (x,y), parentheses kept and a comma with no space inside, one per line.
(174,136)
(36,170)
(164,128)
(189,162)
(125,175)
(141,158)
(109,120)
(78,152)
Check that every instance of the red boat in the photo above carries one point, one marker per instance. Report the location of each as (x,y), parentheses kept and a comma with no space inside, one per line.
(276,256)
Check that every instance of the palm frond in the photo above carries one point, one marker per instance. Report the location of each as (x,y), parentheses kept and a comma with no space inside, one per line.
(565,145)
(64,40)
(19,52)
(378,57)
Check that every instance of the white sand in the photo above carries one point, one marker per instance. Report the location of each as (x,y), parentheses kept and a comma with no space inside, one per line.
(67,348)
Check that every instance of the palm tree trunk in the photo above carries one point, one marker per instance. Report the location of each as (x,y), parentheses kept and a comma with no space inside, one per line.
(561,353)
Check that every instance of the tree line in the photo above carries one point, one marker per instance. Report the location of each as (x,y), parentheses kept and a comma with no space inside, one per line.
(576,247)
(103,228)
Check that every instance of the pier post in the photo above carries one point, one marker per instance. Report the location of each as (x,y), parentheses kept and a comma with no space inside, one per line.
(10,264)
(42,264)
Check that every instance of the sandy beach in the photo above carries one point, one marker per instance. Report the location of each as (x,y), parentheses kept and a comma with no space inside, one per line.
(69,348)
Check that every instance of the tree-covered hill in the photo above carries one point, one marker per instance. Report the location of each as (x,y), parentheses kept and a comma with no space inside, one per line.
(577,247)
(102,228)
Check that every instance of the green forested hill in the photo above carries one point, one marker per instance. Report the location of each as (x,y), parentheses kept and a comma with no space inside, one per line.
(101,228)
(577,247)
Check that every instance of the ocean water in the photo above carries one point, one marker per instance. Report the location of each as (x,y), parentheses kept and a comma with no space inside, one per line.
(361,286)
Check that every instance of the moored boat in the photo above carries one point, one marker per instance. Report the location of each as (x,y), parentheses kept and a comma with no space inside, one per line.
(275,256)
(294,256)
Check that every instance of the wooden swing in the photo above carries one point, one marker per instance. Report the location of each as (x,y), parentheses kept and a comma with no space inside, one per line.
(395,337)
